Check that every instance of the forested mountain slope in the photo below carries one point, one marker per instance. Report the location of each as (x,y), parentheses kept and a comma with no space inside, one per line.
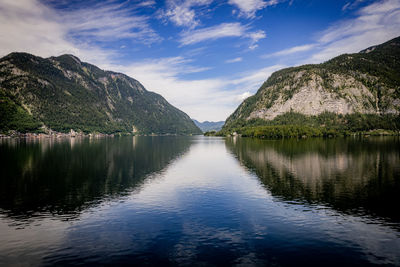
(63,93)
(361,88)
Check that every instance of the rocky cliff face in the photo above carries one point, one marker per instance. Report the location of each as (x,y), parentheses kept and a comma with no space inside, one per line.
(63,93)
(367,82)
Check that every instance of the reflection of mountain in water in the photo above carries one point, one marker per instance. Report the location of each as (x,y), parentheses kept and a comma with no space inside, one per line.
(350,175)
(69,175)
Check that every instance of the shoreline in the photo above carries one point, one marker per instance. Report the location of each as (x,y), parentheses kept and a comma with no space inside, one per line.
(271,134)
(56,135)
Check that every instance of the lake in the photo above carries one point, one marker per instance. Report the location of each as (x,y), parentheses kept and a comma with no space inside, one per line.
(200,201)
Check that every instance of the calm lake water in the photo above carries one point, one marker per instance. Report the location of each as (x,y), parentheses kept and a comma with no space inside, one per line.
(200,201)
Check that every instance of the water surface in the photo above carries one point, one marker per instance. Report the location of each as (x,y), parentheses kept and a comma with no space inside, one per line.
(199,200)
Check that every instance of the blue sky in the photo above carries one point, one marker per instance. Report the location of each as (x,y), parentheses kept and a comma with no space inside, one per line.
(203,56)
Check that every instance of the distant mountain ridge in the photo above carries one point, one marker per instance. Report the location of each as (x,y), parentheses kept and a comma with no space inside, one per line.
(63,93)
(207,126)
(367,82)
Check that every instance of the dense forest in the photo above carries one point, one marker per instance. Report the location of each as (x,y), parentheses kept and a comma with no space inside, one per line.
(348,94)
(326,124)
(62,93)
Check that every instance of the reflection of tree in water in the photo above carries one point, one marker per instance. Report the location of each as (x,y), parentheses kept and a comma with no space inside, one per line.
(350,175)
(69,175)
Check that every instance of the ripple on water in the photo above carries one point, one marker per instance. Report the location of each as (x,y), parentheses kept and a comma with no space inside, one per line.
(212,201)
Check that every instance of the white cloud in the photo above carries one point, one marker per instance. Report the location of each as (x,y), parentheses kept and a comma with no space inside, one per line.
(243,96)
(30,26)
(148,3)
(202,99)
(248,8)
(181,12)
(221,31)
(255,37)
(254,79)
(374,24)
(233,60)
(352,5)
(292,50)
(213,32)
(109,21)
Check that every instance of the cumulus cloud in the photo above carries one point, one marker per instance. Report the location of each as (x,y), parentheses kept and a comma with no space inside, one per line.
(248,8)
(223,30)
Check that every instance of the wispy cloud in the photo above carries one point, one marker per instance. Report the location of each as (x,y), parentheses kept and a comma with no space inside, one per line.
(352,5)
(148,3)
(255,37)
(222,31)
(289,51)
(202,99)
(182,12)
(248,8)
(109,21)
(31,26)
(372,24)
(233,60)
(253,79)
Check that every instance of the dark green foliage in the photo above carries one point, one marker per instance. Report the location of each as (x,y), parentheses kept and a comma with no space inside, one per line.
(377,68)
(293,124)
(282,131)
(64,93)
(14,117)
(210,133)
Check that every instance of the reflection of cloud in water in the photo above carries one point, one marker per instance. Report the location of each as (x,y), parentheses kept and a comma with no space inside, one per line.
(36,240)
(206,208)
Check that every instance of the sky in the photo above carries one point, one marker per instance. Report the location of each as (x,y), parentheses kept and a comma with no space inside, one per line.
(204,56)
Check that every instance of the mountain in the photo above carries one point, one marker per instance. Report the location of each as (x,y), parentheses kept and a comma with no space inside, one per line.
(63,93)
(207,126)
(353,91)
